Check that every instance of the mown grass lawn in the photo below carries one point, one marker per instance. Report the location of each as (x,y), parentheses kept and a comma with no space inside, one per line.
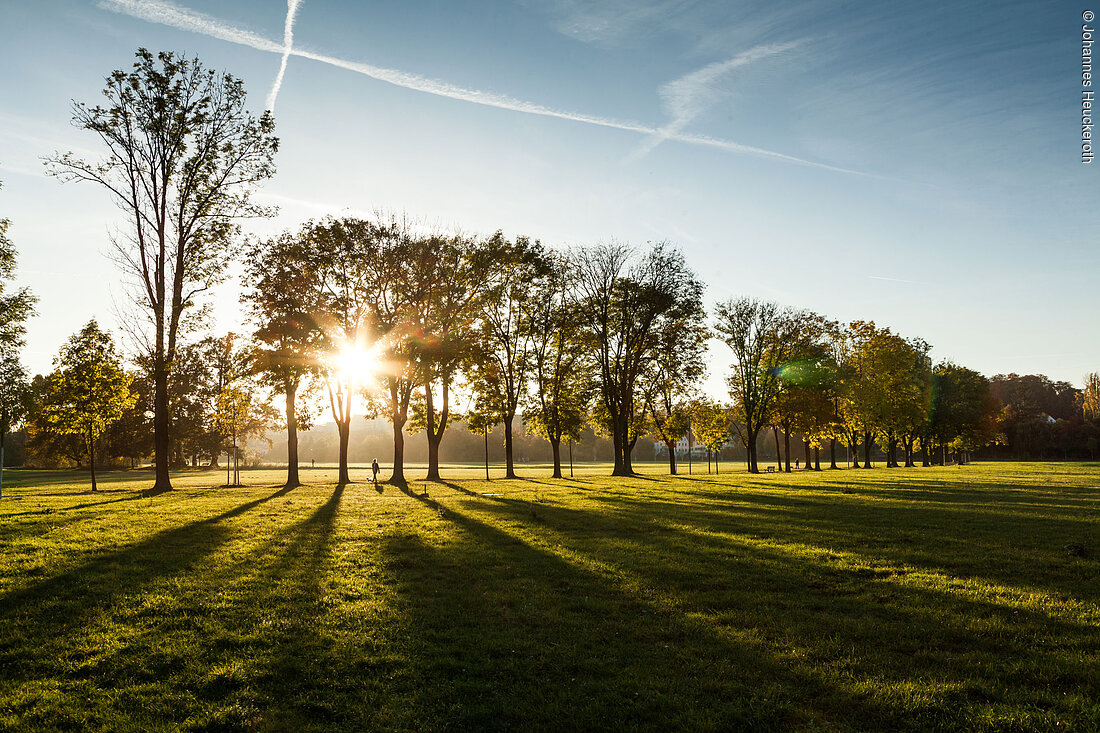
(934,598)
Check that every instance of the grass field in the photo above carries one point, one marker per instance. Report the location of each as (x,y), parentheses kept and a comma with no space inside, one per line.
(906,599)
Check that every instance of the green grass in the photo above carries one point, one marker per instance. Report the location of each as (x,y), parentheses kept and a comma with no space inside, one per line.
(938,598)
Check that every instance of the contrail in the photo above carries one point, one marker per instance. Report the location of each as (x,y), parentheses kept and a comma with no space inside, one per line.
(165,13)
(689,96)
(288,45)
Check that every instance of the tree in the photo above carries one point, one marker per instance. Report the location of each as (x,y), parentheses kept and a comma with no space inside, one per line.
(560,367)
(183,156)
(626,300)
(710,423)
(757,333)
(1090,397)
(130,436)
(515,267)
(238,417)
(480,421)
(670,381)
(16,307)
(885,388)
(452,272)
(287,340)
(964,410)
(90,391)
(805,347)
(14,400)
(342,261)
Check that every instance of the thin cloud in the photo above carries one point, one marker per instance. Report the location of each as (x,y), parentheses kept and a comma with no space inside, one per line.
(288,46)
(166,13)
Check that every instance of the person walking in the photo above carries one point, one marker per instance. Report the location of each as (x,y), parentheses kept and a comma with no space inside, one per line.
(374,468)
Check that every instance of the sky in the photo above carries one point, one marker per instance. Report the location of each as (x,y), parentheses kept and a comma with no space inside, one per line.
(916,165)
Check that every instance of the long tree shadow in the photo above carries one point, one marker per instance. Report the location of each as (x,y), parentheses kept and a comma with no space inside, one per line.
(853,628)
(504,634)
(42,620)
(274,627)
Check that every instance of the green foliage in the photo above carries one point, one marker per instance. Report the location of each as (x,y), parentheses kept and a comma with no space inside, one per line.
(15,307)
(1090,397)
(761,336)
(562,371)
(964,409)
(90,389)
(711,424)
(15,393)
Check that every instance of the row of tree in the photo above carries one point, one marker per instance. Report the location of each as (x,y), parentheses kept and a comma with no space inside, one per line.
(383,313)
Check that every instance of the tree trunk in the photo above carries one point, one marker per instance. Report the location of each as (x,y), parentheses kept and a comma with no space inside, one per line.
(868,438)
(570,459)
(509,465)
(787,449)
(853,451)
(398,476)
(832,453)
(806,447)
(671,457)
(435,435)
(817,457)
(291,438)
(750,450)
(344,428)
(555,446)
(433,457)
(2,438)
(486,454)
(778,456)
(628,453)
(161,425)
(91,460)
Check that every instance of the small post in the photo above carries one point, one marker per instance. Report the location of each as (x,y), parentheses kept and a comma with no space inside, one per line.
(571,459)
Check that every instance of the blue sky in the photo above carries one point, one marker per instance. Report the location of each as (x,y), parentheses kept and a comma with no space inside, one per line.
(914,165)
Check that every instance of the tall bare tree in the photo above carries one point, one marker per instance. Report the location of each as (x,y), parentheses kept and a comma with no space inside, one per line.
(627,297)
(183,155)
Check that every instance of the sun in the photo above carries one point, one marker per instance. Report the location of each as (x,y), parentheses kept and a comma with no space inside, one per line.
(356,363)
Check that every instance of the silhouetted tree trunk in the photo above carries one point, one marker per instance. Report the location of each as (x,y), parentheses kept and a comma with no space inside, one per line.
(91,460)
(832,452)
(778,453)
(671,457)
(787,446)
(291,437)
(344,429)
(868,439)
(509,465)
